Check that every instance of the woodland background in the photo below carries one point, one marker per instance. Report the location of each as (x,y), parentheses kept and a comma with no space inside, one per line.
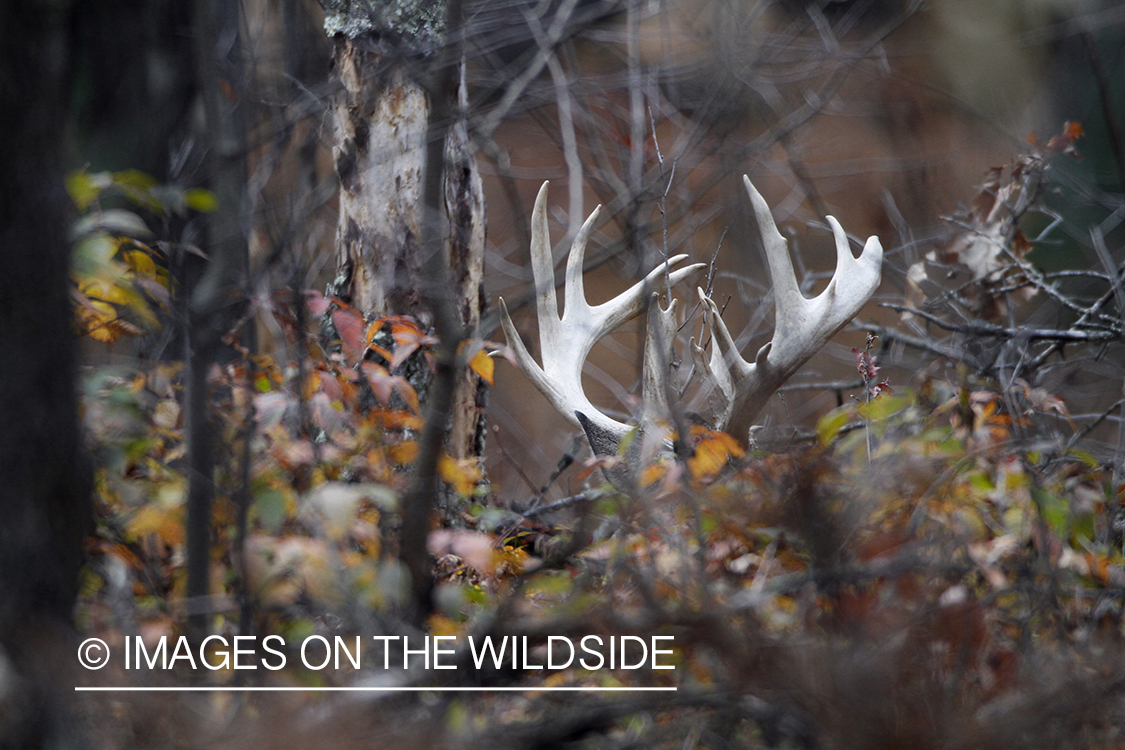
(205,431)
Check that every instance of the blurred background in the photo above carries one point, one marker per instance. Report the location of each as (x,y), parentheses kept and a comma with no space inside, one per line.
(909,569)
(885,114)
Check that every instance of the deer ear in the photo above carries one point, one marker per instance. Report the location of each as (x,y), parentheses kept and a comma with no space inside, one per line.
(605,444)
(602,442)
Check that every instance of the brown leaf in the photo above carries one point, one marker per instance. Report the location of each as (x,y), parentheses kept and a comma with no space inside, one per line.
(349,324)
(984,201)
(381,382)
(316,303)
(402,353)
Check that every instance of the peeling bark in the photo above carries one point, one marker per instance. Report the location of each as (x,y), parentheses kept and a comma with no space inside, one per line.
(381,116)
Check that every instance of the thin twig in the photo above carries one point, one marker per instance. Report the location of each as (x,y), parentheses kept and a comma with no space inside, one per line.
(976,328)
(926,345)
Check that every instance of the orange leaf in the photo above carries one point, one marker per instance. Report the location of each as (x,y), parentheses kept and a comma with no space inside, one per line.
(591,465)
(409,395)
(712,452)
(652,473)
(401,420)
(403,453)
(155,518)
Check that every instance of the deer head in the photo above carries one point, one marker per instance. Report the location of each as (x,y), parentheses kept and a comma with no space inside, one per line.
(735,389)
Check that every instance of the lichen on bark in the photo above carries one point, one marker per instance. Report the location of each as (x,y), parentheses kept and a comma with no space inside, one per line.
(417,20)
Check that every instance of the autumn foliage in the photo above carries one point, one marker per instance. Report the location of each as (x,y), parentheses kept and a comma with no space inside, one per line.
(905,575)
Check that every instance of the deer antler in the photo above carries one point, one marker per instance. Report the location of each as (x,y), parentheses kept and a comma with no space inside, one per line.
(737,389)
(802,326)
(565,341)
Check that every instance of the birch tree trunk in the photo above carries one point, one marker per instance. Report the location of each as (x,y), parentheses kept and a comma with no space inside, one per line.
(382,112)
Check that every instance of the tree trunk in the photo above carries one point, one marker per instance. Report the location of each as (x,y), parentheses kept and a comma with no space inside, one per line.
(45,509)
(383,61)
(209,310)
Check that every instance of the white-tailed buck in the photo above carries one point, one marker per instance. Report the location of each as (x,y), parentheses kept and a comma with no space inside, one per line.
(735,389)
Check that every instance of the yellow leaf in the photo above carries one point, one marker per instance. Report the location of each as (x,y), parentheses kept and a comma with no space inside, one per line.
(141,263)
(830,424)
(83,189)
(167,414)
(513,561)
(707,460)
(101,322)
(203,201)
(652,473)
(712,453)
(483,365)
(163,521)
(439,624)
(462,475)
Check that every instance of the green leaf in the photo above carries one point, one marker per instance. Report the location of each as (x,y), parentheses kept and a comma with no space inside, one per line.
(84,188)
(272,508)
(1084,528)
(92,255)
(134,178)
(1052,509)
(981,481)
(1085,457)
(626,441)
(881,407)
(140,189)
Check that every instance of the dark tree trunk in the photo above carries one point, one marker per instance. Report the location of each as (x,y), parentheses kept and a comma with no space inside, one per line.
(215,300)
(45,507)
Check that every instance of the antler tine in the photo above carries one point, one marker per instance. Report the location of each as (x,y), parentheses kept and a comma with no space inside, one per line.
(565,341)
(543,265)
(786,292)
(631,302)
(801,327)
(574,293)
(659,336)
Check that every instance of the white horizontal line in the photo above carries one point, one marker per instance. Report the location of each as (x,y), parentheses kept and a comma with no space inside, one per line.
(407,689)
